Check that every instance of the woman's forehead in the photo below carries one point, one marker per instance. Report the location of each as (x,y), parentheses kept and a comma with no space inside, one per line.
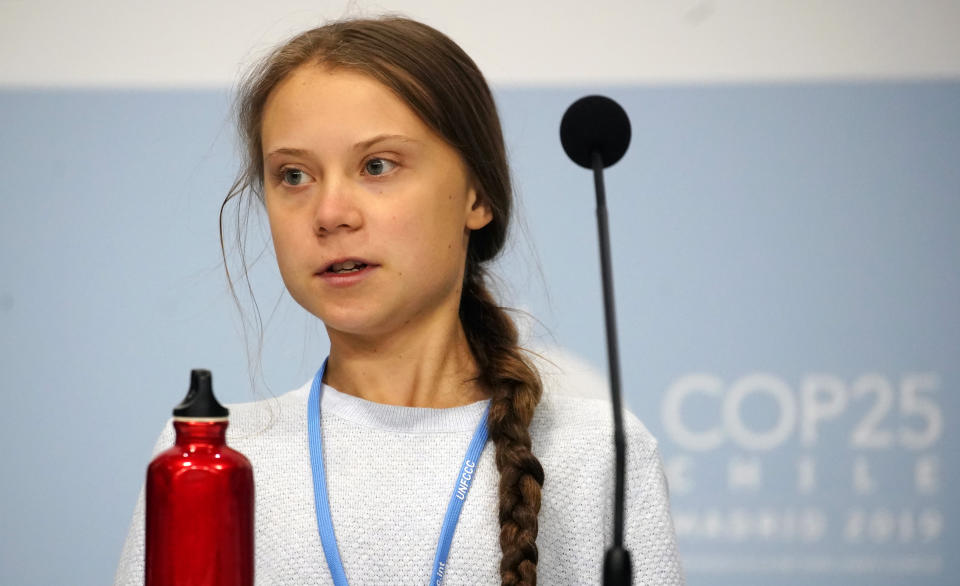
(340,105)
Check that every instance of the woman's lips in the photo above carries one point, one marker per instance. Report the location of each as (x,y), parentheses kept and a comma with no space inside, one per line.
(347,278)
(339,263)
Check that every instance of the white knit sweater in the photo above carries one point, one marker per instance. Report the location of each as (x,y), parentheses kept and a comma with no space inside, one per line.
(390,473)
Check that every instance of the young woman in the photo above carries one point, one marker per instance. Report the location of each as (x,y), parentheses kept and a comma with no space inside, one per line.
(376,151)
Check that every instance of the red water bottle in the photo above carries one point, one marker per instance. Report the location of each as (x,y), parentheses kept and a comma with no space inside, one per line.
(199,526)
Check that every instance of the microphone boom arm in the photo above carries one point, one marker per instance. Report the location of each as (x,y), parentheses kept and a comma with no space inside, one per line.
(595,133)
(617,569)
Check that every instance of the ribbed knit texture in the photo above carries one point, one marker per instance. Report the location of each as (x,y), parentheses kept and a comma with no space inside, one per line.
(390,474)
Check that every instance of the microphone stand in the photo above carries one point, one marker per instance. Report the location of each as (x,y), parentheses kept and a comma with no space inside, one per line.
(617,567)
(595,133)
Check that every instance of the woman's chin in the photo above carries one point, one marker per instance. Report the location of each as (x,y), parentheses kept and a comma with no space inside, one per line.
(350,317)
(356,325)
(387,320)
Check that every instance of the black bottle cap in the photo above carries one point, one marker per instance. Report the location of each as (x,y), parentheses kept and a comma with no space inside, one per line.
(200,402)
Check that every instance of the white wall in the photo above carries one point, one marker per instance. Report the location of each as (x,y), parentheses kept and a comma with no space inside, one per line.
(183,43)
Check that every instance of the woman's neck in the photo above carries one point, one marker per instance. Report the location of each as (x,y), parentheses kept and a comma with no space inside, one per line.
(417,367)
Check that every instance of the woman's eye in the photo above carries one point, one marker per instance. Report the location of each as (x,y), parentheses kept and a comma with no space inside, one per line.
(293,176)
(377,166)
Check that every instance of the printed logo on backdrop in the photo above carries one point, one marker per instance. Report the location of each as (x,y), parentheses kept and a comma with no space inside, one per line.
(823,474)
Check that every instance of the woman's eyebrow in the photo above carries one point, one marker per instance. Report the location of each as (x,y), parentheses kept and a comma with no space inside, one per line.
(288,151)
(360,146)
(363,145)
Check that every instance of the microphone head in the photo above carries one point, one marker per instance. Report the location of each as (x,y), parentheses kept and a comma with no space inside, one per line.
(595,123)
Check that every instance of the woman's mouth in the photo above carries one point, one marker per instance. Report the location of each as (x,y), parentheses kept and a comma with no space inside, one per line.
(346,272)
(345,267)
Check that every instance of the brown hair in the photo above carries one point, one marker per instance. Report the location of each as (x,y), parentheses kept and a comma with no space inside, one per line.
(444,87)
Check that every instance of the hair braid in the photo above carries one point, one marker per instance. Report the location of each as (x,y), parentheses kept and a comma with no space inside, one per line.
(516,389)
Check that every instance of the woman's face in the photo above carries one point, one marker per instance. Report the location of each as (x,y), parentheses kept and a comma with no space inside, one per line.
(369,209)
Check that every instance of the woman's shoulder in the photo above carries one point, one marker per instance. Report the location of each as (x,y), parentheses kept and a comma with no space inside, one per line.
(276,404)
(575,410)
(274,414)
(563,419)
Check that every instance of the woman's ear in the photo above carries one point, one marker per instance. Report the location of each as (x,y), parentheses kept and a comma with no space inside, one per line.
(479,213)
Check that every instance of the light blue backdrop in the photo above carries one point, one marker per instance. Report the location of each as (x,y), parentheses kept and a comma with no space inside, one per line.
(790,255)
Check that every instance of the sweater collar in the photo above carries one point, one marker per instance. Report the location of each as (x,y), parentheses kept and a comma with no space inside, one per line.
(397,418)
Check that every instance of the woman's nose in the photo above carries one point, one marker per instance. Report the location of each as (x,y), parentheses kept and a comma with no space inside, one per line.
(336,209)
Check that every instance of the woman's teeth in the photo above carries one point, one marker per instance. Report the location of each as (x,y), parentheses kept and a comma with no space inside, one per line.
(346,267)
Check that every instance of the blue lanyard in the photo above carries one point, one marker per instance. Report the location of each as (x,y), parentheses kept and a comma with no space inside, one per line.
(322,500)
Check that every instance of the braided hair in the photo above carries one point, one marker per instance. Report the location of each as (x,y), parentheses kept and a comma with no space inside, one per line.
(444,87)
(515,393)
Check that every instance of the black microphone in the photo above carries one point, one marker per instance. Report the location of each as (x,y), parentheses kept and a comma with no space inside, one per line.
(595,133)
